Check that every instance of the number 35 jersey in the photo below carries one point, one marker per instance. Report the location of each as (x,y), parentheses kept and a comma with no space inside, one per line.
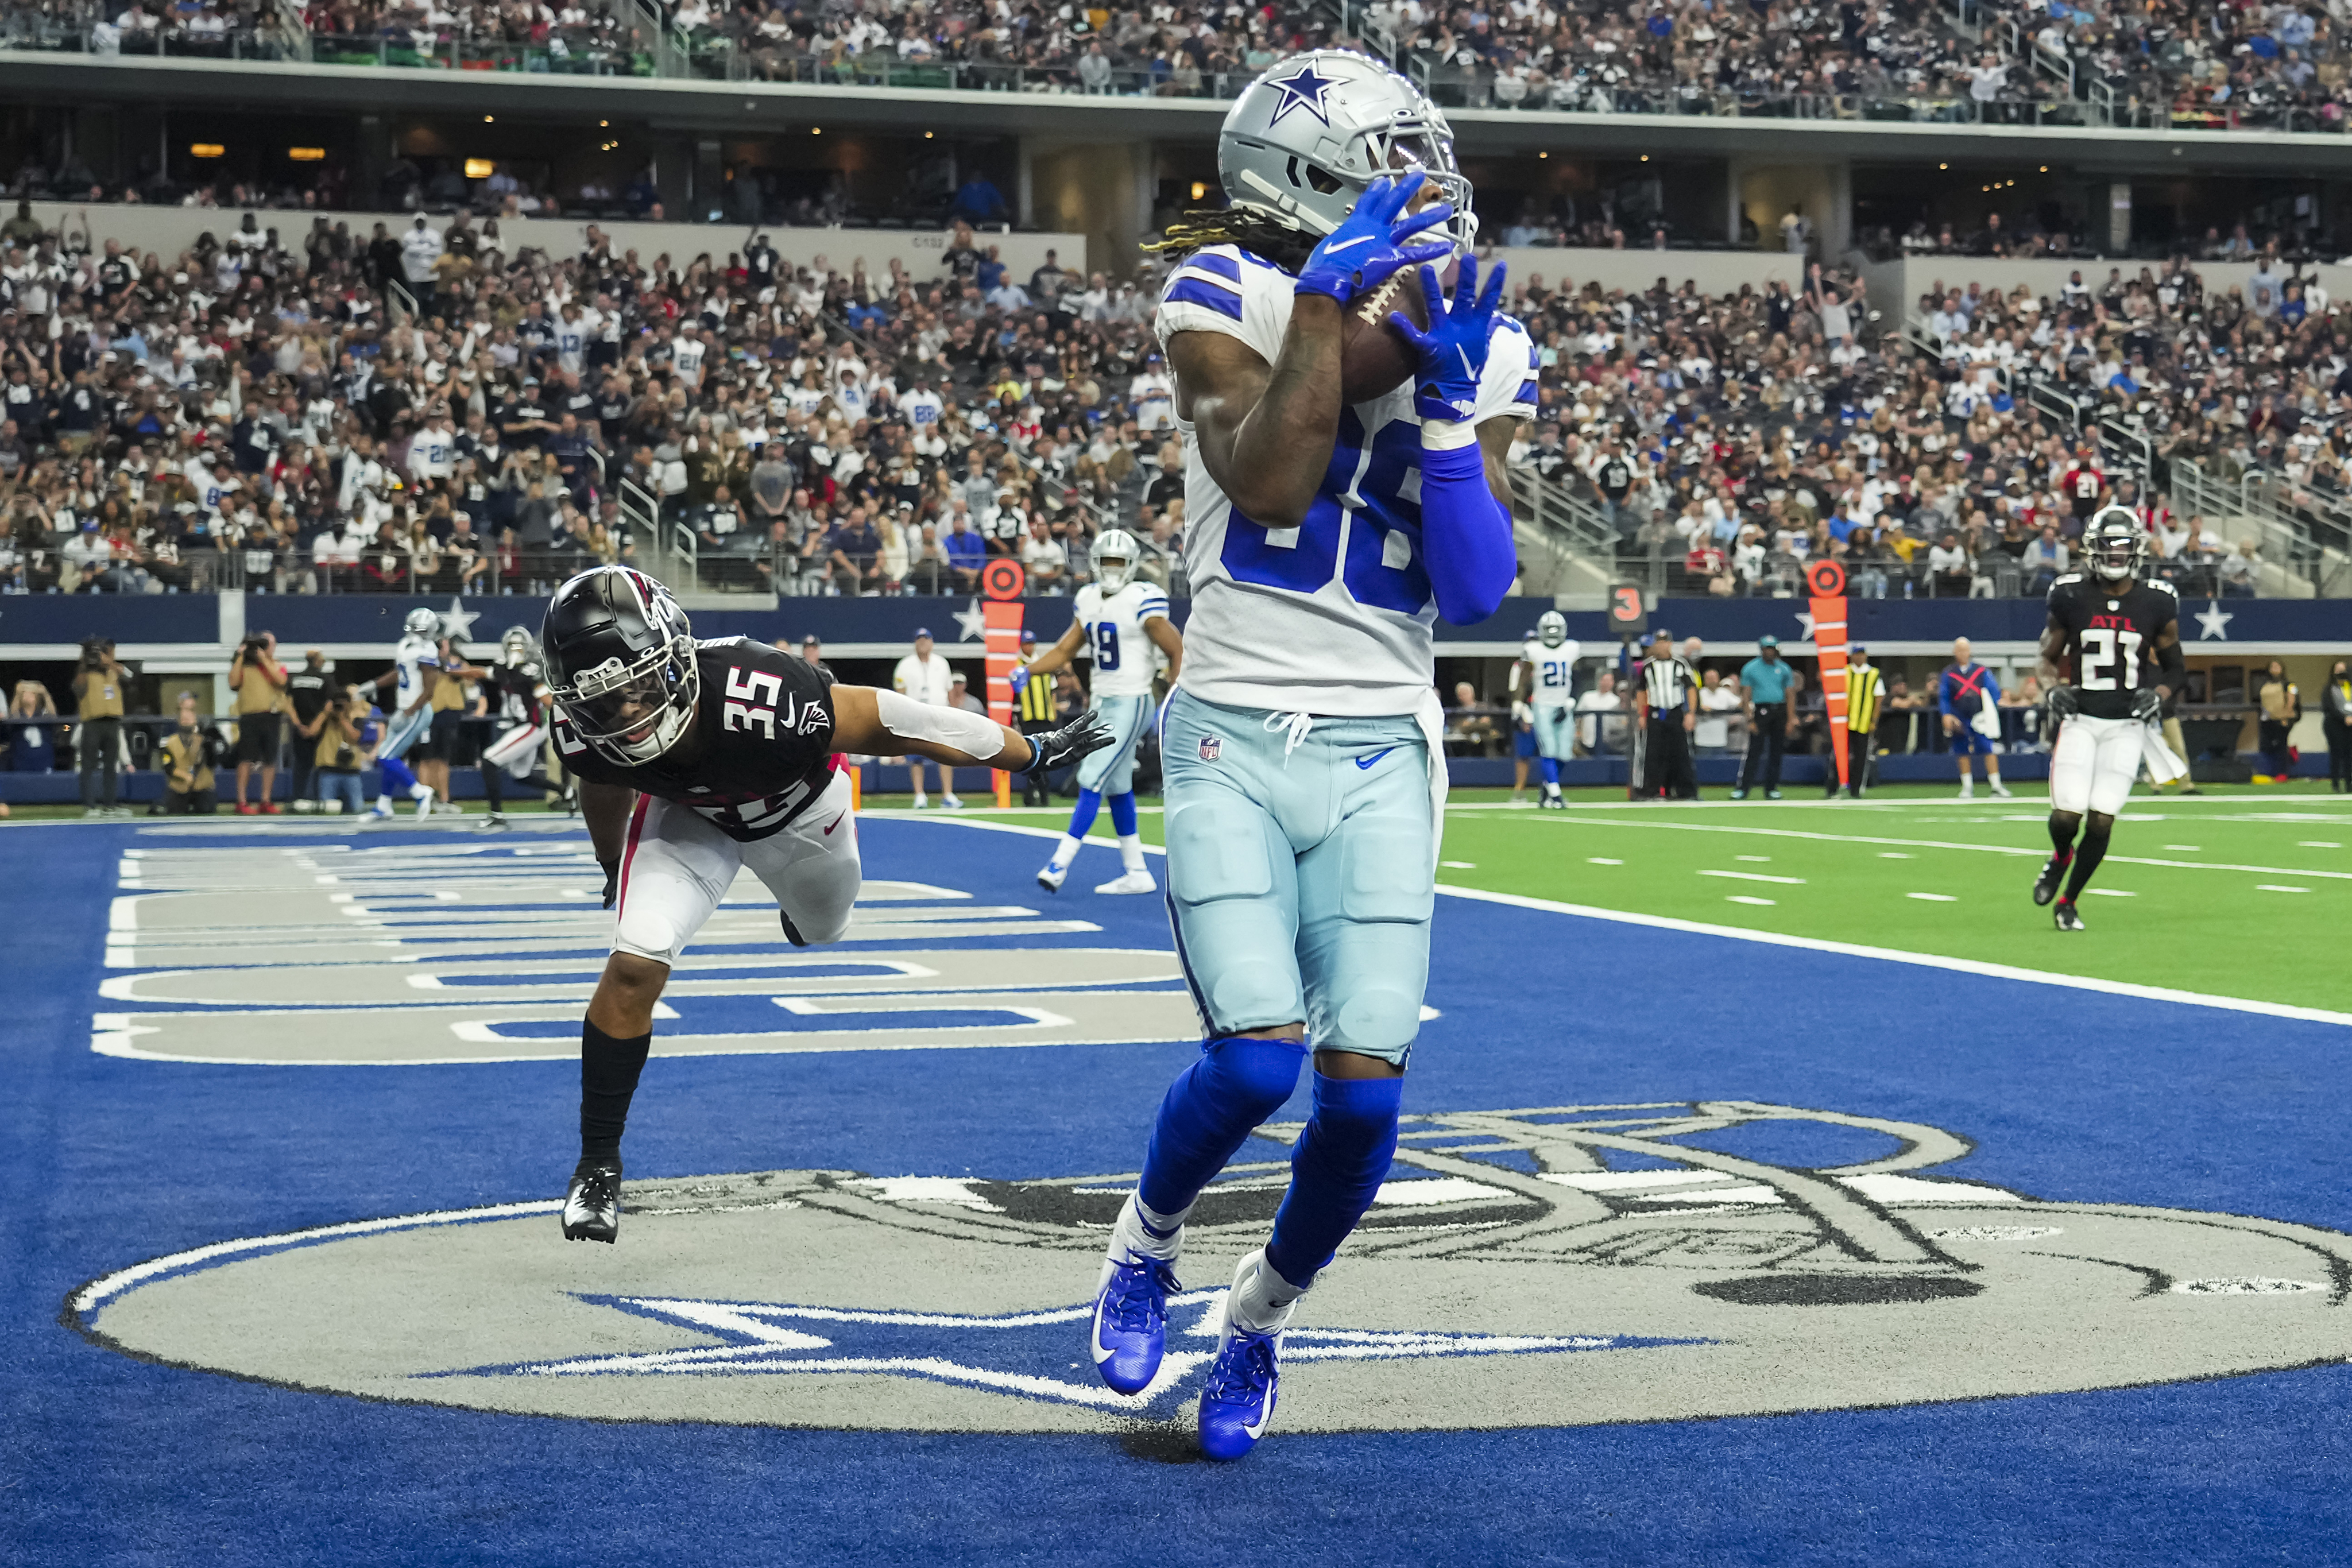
(1333,615)
(759,753)
(1116,642)
(2111,638)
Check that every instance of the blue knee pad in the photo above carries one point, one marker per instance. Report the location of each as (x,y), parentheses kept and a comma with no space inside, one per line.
(1082,815)
(1213,1105)
(1335,1172)
(1122,814)
(396,775)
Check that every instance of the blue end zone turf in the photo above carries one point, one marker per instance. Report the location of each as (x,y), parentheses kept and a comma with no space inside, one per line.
(2069,1095)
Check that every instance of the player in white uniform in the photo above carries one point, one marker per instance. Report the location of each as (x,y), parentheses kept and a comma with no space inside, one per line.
(417,650)
(1304,744)
(1120,620)
(1545,679)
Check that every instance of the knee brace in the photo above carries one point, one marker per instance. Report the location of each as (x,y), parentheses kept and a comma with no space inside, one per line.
(1335,1173)
(1214,1105)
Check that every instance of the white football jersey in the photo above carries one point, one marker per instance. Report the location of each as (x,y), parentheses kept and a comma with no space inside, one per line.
(1551,673)
(1115,636)
(1332,616)
(411,657)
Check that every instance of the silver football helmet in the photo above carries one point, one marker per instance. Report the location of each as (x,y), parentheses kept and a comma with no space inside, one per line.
(422,622)
(1306,138)
(1552,627)
(2115,543)
(1113,559)
(517,648)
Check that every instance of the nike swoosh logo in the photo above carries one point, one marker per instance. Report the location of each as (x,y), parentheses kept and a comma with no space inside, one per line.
(1349,243)
(1094,1340)
(1371,757)
(835,824)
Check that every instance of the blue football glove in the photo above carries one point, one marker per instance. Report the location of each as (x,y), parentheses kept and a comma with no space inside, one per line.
(1452,352)
(1371,243)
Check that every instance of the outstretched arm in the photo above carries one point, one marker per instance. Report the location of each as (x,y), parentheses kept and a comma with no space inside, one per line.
(880,722)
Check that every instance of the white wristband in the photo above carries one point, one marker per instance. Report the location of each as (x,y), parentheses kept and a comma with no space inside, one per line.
(1447,435)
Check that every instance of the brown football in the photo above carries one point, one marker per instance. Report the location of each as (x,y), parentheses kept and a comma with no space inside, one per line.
(1374,358)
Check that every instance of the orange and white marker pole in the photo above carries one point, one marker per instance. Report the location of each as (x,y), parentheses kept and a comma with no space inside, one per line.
(1002,581)
(1826,581)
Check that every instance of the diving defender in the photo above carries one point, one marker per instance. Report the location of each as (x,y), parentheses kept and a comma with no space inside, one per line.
(698,758)
(1303,745)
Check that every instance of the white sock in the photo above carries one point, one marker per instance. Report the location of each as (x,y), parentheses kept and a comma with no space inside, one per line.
(1261,1299)
(1551,788)
(1968,787)
(420,791)
(1065,853)
(1130,1239)
(1130,850)
(384,801)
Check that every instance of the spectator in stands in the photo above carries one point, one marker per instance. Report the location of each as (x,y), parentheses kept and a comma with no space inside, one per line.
(2241,574)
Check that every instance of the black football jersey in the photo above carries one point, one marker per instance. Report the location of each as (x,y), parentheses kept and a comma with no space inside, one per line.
(516,689)
(2111,638)
(760,750)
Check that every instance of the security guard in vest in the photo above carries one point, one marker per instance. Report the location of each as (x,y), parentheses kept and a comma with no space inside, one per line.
(98,728)
(1036,714)
(1864,693)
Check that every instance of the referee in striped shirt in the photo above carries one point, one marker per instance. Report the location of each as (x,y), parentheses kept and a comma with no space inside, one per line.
(1669,701)
(1035,715)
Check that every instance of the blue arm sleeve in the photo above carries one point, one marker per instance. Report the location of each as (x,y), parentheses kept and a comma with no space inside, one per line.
(1943,693)
(1466,533)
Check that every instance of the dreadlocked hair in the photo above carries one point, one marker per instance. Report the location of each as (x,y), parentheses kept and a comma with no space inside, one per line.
(1204,226)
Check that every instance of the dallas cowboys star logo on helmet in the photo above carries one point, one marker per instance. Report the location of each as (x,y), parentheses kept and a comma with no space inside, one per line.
(1306,89)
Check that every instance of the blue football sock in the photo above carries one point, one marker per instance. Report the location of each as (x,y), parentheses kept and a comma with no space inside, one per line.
(1551,769)
(1335,1172)
(1122,814)
(1213,1105)
(396,774)
(1082,815)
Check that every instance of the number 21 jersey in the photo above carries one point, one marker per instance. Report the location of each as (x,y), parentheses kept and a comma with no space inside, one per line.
(1333,615)
(2111,637)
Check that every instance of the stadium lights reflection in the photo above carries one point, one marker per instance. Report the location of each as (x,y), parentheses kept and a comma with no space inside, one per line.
(307,154)
(204,149)
(479,168)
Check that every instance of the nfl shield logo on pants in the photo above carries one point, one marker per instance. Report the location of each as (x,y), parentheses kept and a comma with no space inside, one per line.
(1209,746)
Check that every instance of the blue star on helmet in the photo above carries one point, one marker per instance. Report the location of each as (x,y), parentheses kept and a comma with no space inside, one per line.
(1030,1355)
(1306,89)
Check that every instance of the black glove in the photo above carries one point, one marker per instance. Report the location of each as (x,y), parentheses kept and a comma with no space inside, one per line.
(612,881)
(2064,702)
(2147,706)
(1060,748)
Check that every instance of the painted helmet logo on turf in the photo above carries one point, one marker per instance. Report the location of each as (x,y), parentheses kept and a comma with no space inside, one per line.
(2115,543)
(1306,139)
(620,663)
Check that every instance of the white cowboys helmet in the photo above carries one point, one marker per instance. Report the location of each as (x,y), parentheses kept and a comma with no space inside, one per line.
(422,622)
(1306,138)
(2115,543)
(1551,628)
(619,659)
(1113,556)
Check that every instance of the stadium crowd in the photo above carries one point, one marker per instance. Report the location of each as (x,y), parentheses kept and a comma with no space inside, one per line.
(251,413)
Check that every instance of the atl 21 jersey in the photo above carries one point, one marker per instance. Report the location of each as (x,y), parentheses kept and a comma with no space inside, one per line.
(1333,615)
(760,749)
(2111,638)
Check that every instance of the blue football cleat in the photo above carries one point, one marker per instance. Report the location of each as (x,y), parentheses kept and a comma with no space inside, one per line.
(1238,1402)
(1130,1322)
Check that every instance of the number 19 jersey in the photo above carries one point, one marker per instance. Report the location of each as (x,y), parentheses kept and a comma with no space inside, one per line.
(1332,615)
(2111,637)
(1115,636)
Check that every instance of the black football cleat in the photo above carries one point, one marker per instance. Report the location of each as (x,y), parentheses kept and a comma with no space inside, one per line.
(2067,920)
(591,1209)
(2046,885)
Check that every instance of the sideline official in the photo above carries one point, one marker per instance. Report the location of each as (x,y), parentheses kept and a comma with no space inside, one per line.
(1865,693)
(1035,716)
(1764,683)
(1669,702)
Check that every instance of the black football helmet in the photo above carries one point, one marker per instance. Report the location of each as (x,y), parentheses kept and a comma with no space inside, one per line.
(618,648)
(2114,543)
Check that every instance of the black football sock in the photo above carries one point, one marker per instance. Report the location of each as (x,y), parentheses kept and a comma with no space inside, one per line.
(494,786)
(608,1079)
(2061,839)
(2086,861)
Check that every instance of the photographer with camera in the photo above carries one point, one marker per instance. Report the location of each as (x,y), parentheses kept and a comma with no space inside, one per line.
(97,726)
(259,682)
(341,751)
(187,758)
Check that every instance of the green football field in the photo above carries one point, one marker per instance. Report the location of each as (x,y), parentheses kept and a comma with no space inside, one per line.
(2237,893)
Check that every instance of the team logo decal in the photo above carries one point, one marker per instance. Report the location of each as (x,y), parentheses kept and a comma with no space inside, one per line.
(1554,1266)
(1303,89)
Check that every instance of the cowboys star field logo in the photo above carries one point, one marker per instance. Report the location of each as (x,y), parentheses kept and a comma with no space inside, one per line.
(1553,1266)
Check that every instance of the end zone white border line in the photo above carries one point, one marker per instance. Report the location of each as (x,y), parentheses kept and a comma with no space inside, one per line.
(1811,943)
